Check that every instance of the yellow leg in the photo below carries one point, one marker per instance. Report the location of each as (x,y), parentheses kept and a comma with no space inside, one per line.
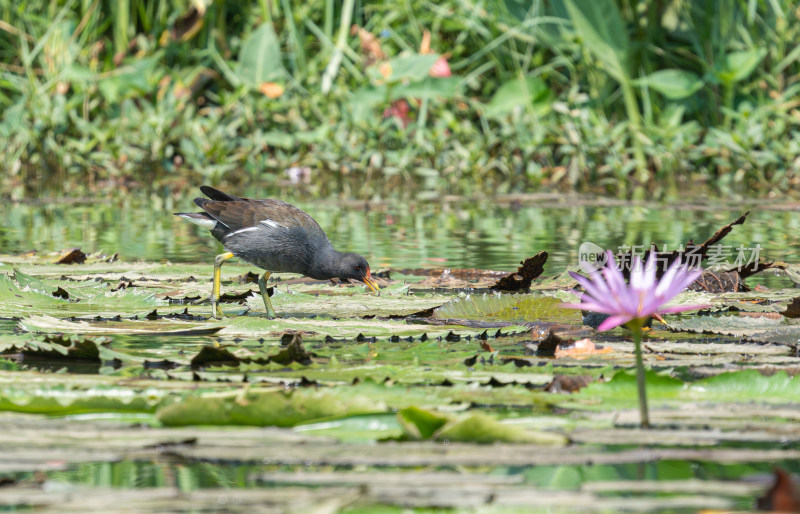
(215,310)
(262,286)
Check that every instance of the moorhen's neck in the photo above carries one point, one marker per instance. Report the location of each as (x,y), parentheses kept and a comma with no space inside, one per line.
(326,264)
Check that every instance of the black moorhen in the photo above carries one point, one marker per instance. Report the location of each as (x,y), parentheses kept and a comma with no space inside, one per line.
(275,236)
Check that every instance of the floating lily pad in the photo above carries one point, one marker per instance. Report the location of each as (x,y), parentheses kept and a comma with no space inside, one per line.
(515,308)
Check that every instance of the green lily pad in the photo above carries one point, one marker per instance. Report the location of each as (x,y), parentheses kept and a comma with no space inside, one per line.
(514,308)
(264,408)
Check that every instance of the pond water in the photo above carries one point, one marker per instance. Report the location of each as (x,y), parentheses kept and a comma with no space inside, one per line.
(418,235)
(508,381)
(740,478)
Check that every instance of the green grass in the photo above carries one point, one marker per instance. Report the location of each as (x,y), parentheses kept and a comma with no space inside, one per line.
(572,94)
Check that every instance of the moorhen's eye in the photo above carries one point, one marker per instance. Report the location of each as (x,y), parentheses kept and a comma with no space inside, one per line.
(358,268)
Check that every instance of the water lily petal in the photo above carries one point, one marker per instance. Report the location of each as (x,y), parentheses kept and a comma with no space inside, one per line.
(613,322)
(590,306)
(597,289)
(667,278)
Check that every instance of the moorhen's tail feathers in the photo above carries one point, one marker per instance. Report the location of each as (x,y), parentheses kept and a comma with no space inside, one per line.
(216,195)
(198,218)
(235,215)
(200,202)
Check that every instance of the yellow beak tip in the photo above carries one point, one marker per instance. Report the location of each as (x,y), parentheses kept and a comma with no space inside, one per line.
(372,284)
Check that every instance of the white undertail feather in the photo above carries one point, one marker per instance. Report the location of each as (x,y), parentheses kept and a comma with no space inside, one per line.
(202,221)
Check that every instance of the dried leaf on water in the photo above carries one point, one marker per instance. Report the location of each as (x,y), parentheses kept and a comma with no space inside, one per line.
(783,496)
(72,256)
(793,309)
(527,272)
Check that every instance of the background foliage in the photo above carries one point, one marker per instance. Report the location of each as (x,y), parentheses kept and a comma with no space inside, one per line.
(352,98)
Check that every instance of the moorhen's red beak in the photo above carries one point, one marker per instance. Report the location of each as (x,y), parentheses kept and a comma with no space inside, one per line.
(371,282)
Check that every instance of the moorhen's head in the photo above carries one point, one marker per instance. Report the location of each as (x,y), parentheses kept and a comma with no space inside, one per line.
(352,266)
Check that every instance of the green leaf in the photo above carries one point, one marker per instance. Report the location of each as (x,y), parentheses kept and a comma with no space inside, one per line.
(279,139)
(362,428)
(737,66)
(480,428)
(735,387)
(365,99)
(419,423)
(507,307)
(411,68)
(599,23)
(265,408)
(747,385)
(672,83)
(64,400)
(428,87)
(136,78)
(520,93)
(260,58)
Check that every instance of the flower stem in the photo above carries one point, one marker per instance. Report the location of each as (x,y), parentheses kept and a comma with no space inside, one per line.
(636,327)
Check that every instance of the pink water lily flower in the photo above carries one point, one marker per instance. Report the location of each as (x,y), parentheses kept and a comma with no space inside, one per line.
(631,304)
(607,292)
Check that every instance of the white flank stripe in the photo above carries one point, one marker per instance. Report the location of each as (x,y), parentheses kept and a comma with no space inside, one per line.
(248,229)
(272,223)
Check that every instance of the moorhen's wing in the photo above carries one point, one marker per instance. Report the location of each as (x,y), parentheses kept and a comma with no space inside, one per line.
(244,213)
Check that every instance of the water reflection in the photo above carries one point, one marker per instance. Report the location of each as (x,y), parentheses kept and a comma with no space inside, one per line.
(401,235)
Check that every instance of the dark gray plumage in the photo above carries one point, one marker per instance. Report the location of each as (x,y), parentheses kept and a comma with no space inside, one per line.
(275,236)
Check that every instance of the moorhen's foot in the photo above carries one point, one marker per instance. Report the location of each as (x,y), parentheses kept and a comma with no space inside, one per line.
(216,311)
(262,287)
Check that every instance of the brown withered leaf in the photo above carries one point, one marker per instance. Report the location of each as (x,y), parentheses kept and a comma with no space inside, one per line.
(454,277)
(519,362)
(76,348)
(468,274)
(248,278)
(568,383)
(370,46)
(123,284)
(294,352)
(547,346)
(185,299)
(485,346)
(529,269)
(721,282)
(721,233)
(793,309)
(237,297)
(188,24)
(748,271)
(696,253)
(215,356)
(72,256)
(60,293)
(783,496)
